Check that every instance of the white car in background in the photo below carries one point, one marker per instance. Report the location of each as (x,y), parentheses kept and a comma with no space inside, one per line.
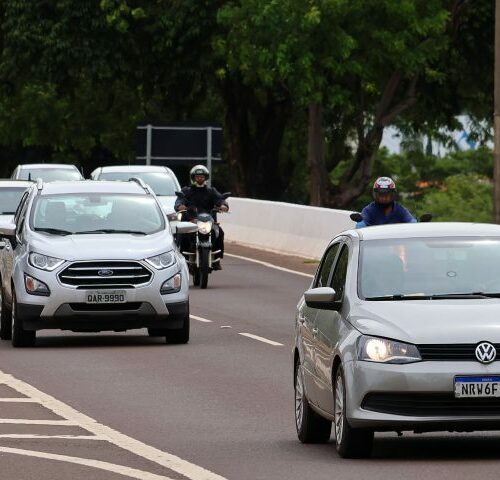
(48,172)
(11,192)
(162,180)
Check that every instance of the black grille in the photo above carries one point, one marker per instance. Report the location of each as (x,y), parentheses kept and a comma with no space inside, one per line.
(105,307)
(105,274)
(430,405)
(453,351)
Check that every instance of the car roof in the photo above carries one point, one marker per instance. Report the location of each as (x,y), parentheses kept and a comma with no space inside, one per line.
(135,168)
(422,230)
(15,183)
(28,166)
(92,186)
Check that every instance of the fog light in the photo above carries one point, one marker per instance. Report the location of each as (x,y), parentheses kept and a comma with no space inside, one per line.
(35,287)
(172,285)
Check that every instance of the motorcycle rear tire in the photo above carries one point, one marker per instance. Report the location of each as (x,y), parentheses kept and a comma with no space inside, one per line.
(204,269)
(196,277)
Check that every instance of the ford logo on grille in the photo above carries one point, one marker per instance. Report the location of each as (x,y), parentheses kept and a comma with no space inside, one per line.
(105,273)
(486,352)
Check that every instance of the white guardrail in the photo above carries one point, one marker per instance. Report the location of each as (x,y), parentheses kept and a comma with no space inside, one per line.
(283,227)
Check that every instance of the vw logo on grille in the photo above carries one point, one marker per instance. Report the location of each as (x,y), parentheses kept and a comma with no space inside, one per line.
(486,352)
(105,273)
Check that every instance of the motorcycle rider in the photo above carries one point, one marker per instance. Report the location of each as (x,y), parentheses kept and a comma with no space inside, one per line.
(384,209)
(203,199)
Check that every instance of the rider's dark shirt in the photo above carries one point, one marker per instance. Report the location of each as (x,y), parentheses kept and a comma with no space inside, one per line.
(204,199)
(373,214)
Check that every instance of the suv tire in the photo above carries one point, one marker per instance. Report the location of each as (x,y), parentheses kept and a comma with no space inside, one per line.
(20,336)
(179,335)
(5,318)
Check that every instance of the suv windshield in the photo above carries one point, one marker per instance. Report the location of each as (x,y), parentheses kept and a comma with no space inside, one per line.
(9,199)
(428,267)
(96,213)
(161,182)
(49,174)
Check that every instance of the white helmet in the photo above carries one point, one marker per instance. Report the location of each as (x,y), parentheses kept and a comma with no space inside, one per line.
(199,170)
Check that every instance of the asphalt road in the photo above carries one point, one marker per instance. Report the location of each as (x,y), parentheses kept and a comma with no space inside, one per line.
(114,406)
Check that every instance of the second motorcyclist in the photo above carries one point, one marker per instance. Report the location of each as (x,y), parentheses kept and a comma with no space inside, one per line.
(201,198)
(384,209)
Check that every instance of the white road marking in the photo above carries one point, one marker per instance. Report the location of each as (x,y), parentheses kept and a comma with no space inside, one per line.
(69,437)
(74,417)
(200,319)
(270,265)
(24,421)
(261,339)
(110,467)
(17,400)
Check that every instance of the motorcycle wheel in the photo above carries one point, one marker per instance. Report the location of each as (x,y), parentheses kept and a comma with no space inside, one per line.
(204,253)
(196,277)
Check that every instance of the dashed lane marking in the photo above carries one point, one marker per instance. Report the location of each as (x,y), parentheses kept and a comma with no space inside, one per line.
(110,467)
(74,417)
(261,339)
(25,421)
(270,265)
(17,400)
(68,437)
(201,319)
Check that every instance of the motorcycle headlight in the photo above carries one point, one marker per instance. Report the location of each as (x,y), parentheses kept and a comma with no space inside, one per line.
(383,350)
(204,227)
(162,261)
(44,262)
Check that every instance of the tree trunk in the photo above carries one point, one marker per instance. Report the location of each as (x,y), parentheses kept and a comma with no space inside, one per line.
(318,179)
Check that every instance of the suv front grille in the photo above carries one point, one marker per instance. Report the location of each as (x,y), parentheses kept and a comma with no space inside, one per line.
(452,351)
(105,274)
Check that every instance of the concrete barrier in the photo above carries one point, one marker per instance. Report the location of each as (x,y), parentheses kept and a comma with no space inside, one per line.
(283,227)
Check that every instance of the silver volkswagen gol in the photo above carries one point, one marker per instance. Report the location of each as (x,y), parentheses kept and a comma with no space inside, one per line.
(400,330)
(92,256)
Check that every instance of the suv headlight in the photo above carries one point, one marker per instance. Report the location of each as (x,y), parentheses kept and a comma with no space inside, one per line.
(44,262)
(204,227)
(162,261)
(383,350)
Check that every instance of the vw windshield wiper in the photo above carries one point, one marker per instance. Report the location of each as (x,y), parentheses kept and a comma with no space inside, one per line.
(110,230)
(399,297)
(54,231)
(472,295)
(7,213)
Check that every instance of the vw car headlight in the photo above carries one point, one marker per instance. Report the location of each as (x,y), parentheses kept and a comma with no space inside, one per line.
(383,350)
(162,261)
(204,227)
(44,262)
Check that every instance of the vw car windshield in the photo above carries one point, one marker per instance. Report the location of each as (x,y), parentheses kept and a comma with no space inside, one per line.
(9,200)
(444,267)
(88,213)
(161,183)
(50,174)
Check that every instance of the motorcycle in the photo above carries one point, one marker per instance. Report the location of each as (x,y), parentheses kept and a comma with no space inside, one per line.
(197,247)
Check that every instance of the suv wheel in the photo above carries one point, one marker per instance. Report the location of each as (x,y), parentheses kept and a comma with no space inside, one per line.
(350,442)
(311,428)
(5,318)
(20,336)
(179,335)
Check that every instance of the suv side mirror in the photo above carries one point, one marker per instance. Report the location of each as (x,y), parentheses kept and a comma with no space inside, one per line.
(322,298)
(185,227)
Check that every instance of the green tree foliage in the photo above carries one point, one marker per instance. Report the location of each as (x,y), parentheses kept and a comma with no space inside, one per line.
(461,198)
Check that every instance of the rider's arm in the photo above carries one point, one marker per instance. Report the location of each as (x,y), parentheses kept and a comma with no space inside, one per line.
(218,199)
(407,216)
(361,224)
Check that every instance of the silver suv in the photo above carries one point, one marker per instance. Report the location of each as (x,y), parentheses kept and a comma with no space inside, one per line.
(48,172)
(92,256)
